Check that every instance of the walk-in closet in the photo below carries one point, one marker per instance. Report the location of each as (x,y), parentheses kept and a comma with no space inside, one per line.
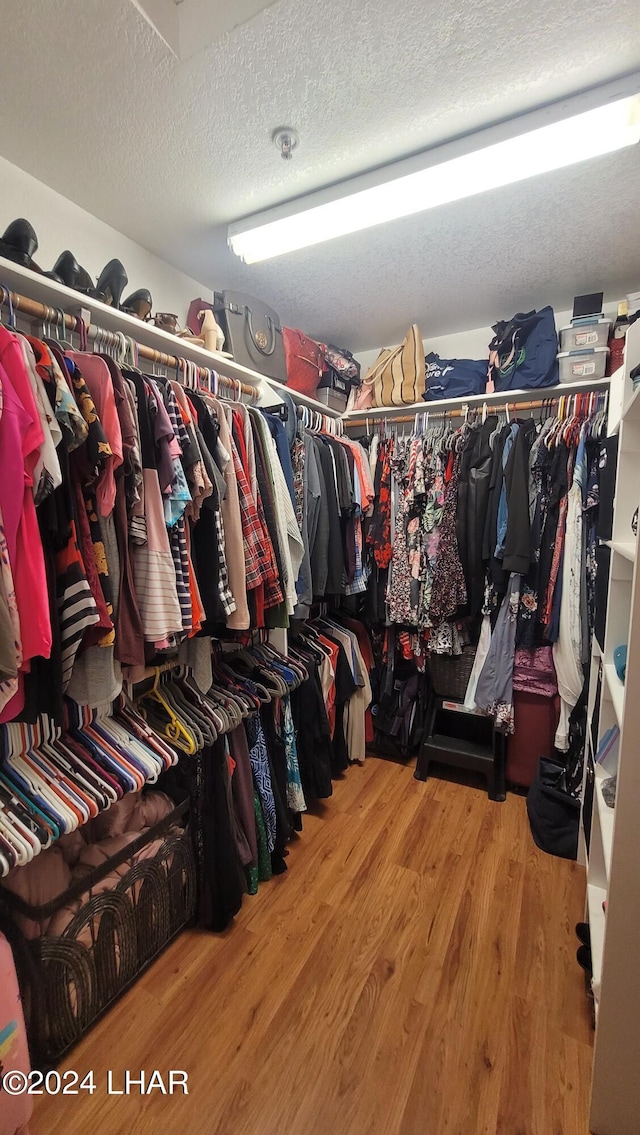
(319,611)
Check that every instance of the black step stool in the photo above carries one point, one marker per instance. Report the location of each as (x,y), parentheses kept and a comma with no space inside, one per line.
(465,739)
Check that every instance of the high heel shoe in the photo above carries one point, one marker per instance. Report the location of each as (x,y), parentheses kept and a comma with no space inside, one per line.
(111,283)
(65,270)
(19,243)
(138,303)
(84,283)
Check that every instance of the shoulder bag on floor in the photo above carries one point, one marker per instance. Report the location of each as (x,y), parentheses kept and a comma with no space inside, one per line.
(554,813)
(397,376)
(252,333)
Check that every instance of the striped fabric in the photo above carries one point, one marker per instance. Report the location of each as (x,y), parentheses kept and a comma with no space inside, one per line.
(77,608)
(178,545)
(154,570)
(398,375)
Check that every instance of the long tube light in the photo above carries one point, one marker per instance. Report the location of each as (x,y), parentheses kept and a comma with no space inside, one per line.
(498,156)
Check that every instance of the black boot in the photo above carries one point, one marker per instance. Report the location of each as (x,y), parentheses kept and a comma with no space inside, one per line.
(111,283)
(19,242)
(65,270)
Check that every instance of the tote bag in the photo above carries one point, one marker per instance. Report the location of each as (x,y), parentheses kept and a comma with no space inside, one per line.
(397,376)
(522,354)
(453,378)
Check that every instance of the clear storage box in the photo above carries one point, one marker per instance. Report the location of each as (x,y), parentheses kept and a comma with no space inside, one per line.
(578,365)
(584,336)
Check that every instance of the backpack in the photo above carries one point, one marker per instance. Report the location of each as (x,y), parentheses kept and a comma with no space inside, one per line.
(399,712)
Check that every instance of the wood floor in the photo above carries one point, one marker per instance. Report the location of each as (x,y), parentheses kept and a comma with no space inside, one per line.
(413,973)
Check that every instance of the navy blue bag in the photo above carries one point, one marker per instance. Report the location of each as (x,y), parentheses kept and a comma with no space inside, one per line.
(453,378)
(522,354)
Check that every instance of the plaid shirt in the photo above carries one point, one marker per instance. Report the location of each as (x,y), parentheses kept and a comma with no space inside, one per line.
(224,591)
(259,558)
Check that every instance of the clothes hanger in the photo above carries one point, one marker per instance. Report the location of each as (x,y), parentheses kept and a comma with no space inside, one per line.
(174,729)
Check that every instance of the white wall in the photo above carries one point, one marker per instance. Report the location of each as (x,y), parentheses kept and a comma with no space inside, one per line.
(469,344)
(61,224)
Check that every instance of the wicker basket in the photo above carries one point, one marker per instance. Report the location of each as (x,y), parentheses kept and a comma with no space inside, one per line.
(450,673)
(110,940)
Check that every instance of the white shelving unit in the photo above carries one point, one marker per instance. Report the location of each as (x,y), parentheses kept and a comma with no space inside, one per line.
(59,297)
(476,401)
(613,868)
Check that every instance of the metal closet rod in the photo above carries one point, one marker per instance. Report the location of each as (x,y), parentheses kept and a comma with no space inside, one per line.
(492,408)
(45,314)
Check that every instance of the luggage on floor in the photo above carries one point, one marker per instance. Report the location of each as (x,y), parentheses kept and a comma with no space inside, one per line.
(536,721)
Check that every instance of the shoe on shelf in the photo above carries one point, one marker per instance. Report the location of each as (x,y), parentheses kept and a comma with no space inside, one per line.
(138,303)
(166,321)
(20,243)
(583,933)
(84,283)
(111,283)
(583,958)
(65,270)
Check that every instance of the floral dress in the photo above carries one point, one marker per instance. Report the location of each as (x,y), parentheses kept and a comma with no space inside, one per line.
(449,590)
(401,592)
(432,512)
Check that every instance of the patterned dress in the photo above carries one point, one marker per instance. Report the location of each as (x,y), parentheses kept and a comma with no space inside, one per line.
(449,590)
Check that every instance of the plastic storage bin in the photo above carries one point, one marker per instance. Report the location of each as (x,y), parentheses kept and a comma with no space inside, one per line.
(335,394)
(585,336)
(578,365)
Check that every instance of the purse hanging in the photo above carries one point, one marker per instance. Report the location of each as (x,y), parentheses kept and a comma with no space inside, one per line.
(397,378)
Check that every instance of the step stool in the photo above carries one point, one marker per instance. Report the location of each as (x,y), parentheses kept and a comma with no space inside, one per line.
(449,741)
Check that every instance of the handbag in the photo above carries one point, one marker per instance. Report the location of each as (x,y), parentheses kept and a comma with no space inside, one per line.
(398,374)
(453,378)
(342,362)
(305,361)
(196,307)
(522,353)
(554,814)
(252,333)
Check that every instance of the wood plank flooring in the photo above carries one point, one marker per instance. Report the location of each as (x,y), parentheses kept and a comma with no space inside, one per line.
(413,973)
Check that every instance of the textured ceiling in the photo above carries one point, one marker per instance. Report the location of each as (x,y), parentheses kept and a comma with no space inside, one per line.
(170,151)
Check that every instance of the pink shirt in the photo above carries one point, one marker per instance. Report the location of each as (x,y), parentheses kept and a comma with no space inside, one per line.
(21,438)
(95,372)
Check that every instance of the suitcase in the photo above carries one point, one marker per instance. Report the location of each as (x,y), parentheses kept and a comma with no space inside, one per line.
(536,721)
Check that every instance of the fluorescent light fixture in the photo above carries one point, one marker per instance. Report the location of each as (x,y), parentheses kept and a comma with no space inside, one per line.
(498,156)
